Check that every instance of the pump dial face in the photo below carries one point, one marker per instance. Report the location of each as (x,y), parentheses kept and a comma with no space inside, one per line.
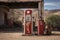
(28,18)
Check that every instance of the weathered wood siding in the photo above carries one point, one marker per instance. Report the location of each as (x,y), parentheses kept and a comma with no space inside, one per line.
(1,17)
(3,10)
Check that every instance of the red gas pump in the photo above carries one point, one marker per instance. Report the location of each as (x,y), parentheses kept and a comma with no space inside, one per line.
(28,22)
(40,27)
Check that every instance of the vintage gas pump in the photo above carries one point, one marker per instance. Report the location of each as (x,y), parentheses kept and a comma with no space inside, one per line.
(28,22)
(40,27)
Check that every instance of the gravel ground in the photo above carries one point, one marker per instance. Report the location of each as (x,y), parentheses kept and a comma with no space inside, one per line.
(18,36)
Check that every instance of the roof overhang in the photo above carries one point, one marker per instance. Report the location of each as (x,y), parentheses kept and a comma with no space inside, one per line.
(20,4)
(20,0)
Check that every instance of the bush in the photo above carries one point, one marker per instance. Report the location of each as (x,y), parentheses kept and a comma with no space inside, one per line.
(53,20)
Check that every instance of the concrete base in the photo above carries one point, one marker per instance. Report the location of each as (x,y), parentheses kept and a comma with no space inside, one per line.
(27,34)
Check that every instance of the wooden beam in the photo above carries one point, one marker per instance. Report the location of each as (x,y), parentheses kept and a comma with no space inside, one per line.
(19,0)
(41,10)
(20,4)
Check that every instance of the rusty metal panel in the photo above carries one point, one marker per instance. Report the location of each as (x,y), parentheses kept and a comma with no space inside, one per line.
(18,0)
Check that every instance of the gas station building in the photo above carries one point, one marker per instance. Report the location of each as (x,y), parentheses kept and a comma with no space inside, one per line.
(24,11)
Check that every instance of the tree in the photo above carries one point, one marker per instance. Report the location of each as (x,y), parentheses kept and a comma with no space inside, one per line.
(53,20)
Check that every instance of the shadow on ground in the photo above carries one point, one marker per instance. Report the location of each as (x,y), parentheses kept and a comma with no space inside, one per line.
(11,29)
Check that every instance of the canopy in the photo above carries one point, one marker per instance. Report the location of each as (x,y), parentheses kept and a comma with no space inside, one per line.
(19,0)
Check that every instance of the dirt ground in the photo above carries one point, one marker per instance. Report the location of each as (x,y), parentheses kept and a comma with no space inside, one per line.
(18,36)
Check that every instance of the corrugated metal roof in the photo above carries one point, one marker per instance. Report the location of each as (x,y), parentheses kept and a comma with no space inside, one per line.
(18,0)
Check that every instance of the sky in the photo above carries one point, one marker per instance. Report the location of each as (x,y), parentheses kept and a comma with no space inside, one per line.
(51,4)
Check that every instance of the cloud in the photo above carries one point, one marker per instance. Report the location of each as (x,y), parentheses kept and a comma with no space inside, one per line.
(52,4)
